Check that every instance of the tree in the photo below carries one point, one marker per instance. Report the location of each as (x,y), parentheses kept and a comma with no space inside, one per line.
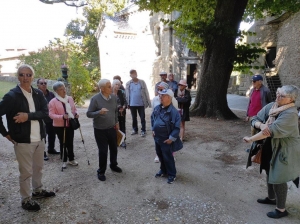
(211,27)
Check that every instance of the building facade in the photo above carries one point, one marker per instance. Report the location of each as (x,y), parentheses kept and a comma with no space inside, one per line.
(134,39)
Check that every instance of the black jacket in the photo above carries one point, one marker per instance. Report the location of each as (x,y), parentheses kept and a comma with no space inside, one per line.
(14,102)
(184,103)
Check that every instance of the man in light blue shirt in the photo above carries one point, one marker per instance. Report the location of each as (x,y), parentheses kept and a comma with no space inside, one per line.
(138,99)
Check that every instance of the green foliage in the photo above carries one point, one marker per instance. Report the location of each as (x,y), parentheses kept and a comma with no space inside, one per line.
(198,25)
(79,78)
(46,61)
(5,87)
(257,9)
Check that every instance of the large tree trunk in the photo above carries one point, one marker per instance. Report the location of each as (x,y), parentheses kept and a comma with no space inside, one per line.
(218,60)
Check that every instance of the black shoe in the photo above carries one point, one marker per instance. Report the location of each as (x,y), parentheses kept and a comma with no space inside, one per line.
(276,214)
(53,151)
(171,179)
(30,205)
(101,176)
(43,194)
(266,201)
(45,157)
(116,169)
(160,174)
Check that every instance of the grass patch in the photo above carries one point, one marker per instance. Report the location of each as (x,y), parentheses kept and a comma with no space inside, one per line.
(5,87)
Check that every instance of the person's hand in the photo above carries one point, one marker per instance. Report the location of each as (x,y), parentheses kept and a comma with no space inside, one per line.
(247,118)
(265,130)
(103,111)
(65,116)
(117,127)
(10,139)
(168,141)
(247,139)
(20,117)
(153,133)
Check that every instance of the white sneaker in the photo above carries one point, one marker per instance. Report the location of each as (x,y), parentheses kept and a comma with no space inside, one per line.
(64,166)
(73,163)
(156,160)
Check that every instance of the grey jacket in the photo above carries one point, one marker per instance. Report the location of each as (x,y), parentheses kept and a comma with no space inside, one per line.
(265,96)
(285,140)
(144,93)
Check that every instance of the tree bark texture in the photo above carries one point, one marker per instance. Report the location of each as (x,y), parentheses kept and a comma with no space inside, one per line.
(211,100)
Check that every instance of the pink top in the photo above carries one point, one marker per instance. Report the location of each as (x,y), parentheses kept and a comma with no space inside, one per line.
(57,111)
(255,103)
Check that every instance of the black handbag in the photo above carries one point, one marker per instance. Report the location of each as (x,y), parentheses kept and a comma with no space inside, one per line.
(74,123)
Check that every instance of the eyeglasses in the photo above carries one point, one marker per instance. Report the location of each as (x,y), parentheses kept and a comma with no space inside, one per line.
(23,74)
(43,83)
(254,81)
(281,96)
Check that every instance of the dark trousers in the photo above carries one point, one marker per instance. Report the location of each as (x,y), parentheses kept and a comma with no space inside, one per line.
(50,136)
(106,138)
(166,158)
(122,123)
(141,111)
(278,192)
(69,139)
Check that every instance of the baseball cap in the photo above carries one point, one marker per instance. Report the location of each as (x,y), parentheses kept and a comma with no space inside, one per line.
(257,77)
(166,92)
(163,73)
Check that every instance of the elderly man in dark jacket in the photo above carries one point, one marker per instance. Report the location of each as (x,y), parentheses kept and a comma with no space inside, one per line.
(25,108)
(165,121)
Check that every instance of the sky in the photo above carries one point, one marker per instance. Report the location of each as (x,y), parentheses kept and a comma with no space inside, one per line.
(30,24)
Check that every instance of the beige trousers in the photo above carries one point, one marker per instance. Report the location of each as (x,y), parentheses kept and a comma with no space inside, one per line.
(30,157)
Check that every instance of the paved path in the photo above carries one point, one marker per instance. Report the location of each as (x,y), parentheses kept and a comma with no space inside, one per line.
(235,102)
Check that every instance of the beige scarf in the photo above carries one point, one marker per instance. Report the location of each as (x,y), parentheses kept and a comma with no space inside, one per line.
(275,110)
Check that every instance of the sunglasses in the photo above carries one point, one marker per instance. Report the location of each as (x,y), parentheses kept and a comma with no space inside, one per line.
(23,75)
(43,83)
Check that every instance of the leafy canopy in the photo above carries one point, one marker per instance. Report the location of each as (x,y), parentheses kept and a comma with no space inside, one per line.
(197,25)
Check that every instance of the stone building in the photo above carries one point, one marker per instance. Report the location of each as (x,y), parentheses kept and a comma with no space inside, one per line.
(134,39)
(280,37)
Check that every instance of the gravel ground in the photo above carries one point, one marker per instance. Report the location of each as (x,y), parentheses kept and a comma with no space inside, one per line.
(212,185)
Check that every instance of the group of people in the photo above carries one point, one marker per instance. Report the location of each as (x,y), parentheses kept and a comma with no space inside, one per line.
(275,140)
(29,110)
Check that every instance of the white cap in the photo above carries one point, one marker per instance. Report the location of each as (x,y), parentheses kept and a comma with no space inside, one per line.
(166,92)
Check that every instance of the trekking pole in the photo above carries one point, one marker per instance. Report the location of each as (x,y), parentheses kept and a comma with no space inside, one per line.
(64,146)
(84,146)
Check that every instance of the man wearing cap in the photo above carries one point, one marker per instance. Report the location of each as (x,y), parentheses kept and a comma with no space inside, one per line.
(156,99)
(259,96)
(165,134)
(163,77)
(138,99)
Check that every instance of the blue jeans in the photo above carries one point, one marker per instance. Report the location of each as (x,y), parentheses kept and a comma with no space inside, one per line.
(106,138)
(141,110)
(164,153)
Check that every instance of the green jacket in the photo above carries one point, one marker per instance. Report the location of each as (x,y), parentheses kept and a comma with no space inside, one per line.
(285,162)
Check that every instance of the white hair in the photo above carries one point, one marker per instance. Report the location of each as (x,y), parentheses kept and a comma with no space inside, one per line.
(102,83)
(25,66)
(57,85)
(116,81)
(290,90)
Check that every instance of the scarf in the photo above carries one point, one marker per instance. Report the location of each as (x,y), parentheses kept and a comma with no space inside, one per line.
(275,110)
(180,93)
(67,104)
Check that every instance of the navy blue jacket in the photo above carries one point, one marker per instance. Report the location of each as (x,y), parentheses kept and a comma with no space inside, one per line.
(14,102)
(171,118)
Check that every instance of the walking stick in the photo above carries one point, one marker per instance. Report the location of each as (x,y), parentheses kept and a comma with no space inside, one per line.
(64,145)
(84,146)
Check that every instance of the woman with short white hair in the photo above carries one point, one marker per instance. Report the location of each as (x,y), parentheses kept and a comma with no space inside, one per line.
(280,154)
(122,105)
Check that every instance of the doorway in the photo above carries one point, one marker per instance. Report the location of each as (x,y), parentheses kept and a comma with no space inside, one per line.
(191,77)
